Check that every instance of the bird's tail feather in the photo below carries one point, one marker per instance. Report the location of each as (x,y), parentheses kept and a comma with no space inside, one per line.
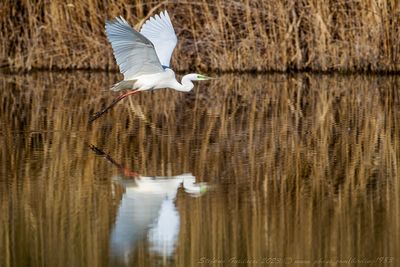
(123,85)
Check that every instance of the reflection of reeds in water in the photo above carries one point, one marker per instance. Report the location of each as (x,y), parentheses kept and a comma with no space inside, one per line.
(221,35)
(307,167)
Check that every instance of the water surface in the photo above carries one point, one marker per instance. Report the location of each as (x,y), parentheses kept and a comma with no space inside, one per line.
(287,169)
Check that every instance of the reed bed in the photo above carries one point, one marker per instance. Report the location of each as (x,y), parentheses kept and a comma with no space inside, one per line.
(218,35)
(307,167)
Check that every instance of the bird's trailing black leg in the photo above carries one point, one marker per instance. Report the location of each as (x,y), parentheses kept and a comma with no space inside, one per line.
(116,100)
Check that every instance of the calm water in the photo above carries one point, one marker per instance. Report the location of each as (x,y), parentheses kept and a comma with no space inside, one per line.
(263,170)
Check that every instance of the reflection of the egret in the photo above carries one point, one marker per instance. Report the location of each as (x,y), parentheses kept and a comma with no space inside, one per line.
(148,204)
(147,210)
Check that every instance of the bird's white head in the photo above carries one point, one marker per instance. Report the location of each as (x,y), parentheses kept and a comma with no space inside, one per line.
(197,77)
(187,84)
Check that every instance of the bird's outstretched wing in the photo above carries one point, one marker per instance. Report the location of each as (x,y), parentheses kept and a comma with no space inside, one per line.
(135,54)
(160,32)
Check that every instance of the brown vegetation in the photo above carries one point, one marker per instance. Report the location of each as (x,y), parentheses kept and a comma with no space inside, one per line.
(217,35)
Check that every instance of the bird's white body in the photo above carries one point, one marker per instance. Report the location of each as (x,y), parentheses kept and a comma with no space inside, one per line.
(165,79)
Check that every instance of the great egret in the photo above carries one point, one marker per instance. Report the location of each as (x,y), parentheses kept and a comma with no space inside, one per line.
(144,57)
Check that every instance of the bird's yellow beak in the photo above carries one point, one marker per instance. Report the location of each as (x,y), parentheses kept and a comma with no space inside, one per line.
(203,78)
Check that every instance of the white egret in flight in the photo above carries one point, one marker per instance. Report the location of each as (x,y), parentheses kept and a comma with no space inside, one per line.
(144,57)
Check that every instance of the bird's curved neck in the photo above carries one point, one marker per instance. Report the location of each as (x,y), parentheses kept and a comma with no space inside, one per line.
(186,83)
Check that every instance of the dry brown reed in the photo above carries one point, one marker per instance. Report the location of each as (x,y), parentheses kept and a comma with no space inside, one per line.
(248,35)
(307,167)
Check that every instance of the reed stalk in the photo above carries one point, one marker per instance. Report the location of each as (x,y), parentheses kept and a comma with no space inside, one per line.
(222,36)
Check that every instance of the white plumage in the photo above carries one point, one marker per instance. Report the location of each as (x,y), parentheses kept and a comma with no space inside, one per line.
(161,33)
(144,57)
(134,53)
